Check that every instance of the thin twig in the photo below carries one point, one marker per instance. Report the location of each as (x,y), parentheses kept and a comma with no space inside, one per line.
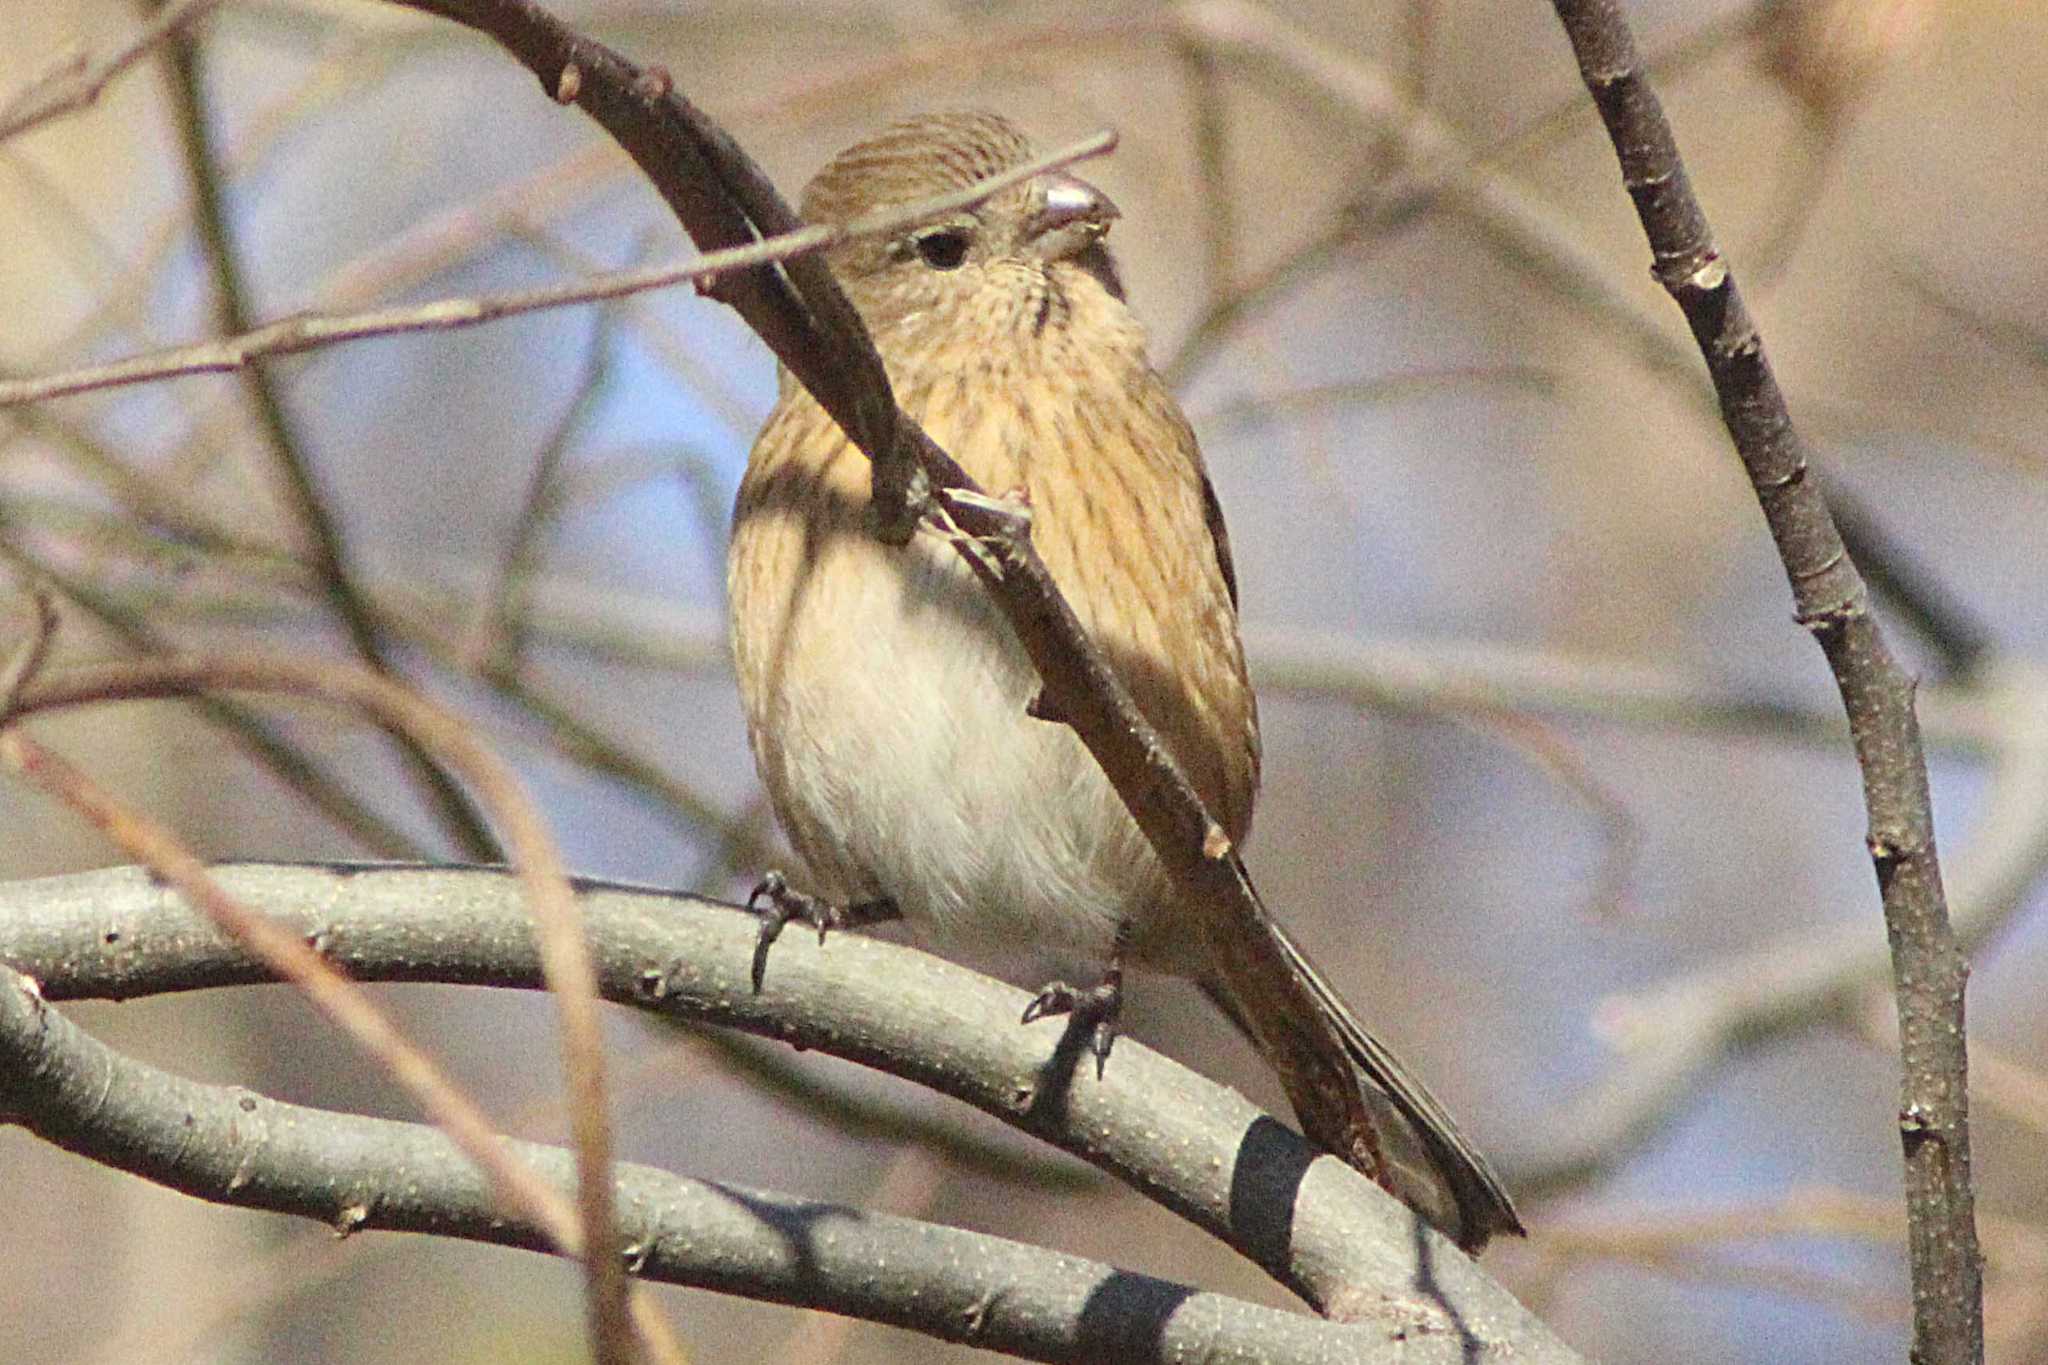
(28,658)
(1445,170)
(75,81)
(1421,677)
(499,638)
(262,741)
(431,619)
(344,1003)
(246,345)
(1216,187)
(1386,388)
(150,500)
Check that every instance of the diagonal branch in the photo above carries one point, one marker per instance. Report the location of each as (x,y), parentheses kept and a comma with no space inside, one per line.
(444,736)
(1443,167)
(245,345)
(350,1010)
(287,445)
(265,745)
(76,80)
(725,200)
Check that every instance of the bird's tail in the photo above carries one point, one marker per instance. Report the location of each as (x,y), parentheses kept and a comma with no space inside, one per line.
(1481,1207)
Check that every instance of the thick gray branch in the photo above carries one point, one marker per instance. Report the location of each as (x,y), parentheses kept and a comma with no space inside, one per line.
(1197,1148)
(231,1146)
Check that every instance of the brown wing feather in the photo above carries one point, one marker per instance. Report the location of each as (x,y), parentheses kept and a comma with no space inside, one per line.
(1219,536)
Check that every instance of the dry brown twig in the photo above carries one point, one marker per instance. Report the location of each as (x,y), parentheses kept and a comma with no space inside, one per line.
(75,80)
(589,1232)
(28,659)
(310,331)
(282,440)
(263,743)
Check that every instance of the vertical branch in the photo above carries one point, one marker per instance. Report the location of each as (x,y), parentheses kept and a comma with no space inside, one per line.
(499,642)
(1928,969)
(329,551)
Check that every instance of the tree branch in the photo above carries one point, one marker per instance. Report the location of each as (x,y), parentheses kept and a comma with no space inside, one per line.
(1198,1149)
(725,200)
(1832,601)
(332,560)
(230,1146)
(74,81)
(442,737)
(245,345)
(1444,167)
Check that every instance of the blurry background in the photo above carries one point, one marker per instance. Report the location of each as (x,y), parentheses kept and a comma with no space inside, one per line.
(1544,745)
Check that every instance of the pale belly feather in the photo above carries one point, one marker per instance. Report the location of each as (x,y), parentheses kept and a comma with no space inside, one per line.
(906,765)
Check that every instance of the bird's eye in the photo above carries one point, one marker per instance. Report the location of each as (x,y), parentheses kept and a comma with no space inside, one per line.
(942,248)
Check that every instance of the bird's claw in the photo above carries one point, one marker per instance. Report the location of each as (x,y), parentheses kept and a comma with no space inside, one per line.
(1011,510)
(1095,1009)
(775,903)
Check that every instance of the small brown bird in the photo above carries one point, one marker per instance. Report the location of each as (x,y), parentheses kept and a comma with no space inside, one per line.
(887,699)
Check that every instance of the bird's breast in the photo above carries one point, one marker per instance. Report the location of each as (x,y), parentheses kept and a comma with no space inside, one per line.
(886,697)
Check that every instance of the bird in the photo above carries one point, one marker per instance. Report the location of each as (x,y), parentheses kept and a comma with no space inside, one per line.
(889,706)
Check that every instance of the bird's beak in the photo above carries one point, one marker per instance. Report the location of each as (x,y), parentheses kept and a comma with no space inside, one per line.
(1068,216)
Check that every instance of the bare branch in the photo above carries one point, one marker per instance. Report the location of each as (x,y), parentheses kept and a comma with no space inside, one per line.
(230,1146)
(1928,967)
(447,738)
(1667,1036)
(310,331)
(28,658)
(1444,168)
(74,81)
(285,442)
(1197,1148)
(344,1004)
(265,744)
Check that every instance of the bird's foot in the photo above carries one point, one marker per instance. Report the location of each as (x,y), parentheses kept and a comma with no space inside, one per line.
(1095,1010)
(1010,511)
(775,902)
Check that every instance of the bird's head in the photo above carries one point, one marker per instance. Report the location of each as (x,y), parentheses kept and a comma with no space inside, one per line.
(1015,259)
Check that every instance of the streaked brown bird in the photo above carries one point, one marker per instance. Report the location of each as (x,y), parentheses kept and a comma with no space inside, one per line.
(887,699)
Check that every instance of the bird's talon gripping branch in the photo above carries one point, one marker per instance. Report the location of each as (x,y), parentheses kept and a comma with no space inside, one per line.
(1012,509)
(1095,1010)
(775,902)
(1012,506)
